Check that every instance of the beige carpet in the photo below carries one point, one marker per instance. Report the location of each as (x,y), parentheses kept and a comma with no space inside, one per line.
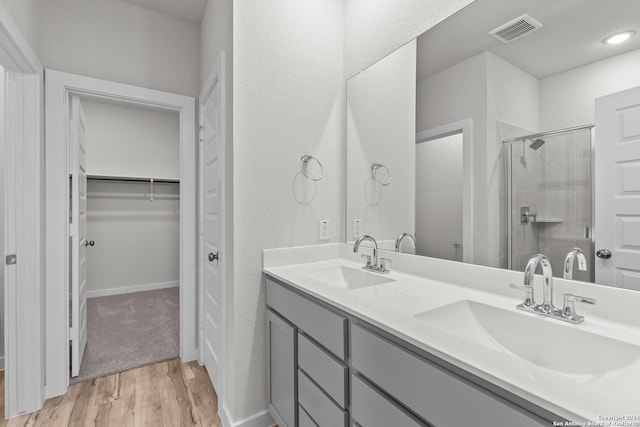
(130,330)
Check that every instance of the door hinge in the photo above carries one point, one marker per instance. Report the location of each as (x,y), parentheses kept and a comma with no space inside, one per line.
(201,321)
(11,259)
(201,133)
(202,228)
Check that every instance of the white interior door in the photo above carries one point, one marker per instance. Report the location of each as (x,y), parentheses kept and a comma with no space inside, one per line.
(617,189)
(211,239)
(77,231)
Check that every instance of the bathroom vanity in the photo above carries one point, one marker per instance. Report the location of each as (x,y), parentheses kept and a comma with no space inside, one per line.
(436,343)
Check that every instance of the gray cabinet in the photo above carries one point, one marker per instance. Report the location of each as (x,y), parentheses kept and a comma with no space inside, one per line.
(330,374)
(431,392)
(281,370)
(328,369)
(318,405)
(325,326)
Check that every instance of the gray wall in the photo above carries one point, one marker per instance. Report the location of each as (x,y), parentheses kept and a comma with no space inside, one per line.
(137,240)
(118,41)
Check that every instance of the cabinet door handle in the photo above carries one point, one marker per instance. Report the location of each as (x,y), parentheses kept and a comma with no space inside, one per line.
(212,256)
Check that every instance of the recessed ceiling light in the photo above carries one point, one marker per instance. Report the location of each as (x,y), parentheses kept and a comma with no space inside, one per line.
(618,37)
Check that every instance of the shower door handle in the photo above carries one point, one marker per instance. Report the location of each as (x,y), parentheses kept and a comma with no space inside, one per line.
(603,253)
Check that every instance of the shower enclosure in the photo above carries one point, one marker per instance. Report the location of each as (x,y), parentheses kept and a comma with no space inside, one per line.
(549,207)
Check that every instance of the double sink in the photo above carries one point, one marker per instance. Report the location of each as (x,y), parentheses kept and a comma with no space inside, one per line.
(546,343)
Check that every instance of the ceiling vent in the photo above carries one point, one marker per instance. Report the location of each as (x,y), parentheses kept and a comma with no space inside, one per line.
(516,28)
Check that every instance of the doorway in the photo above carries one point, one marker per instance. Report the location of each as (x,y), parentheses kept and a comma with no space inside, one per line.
(439,190)
(60,88)
(130,240)
(23,222)
(444,179)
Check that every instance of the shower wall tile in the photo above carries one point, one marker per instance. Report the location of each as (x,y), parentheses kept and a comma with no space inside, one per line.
(582,173)
(583,145)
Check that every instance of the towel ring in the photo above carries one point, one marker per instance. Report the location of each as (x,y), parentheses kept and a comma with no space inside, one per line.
(374,172)
(304,161)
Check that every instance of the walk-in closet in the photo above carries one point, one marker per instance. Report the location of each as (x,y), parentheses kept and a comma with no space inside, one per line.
(131,248)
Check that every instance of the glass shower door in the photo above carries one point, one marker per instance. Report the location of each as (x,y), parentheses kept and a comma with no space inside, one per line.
(550,199)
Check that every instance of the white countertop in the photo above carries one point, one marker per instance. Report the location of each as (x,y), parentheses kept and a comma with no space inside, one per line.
(392,307)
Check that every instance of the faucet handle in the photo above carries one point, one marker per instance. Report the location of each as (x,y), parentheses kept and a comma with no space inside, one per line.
(528,302)
(569,309)
(384,265)
(578,298)
(368,258)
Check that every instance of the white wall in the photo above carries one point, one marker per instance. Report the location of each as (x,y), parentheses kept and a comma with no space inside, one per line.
(567,99)
(439,192)
(374,28)
(488,90)
(132,142)
(117,41)
(512,97)
(454,94)
(216,34)
(287,101)
(381,124)
(26,15)
(136,240)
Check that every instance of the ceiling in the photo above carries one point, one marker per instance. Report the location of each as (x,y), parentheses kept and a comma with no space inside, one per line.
(571,35)
(187,10)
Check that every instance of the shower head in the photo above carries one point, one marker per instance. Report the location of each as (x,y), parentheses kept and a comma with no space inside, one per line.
(536,143)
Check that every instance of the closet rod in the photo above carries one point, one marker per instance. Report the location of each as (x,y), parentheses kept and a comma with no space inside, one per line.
(133,179)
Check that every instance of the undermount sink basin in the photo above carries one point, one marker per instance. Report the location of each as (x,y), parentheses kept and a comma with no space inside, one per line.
(347,277)
(542,342)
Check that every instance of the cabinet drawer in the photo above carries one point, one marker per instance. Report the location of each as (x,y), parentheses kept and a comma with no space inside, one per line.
(440,397)
(326,371)
(304,420)
(371,409)
(319,407)
(324,326)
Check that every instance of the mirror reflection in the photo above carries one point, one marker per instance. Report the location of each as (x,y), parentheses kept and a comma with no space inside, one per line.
(485,123)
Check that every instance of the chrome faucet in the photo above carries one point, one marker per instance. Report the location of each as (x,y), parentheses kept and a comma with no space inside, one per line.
(547,284)
(568,262)
(402,237)
(372,261)
(568,313)
(372,264)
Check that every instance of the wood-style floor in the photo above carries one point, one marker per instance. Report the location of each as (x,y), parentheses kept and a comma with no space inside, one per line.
(170,394)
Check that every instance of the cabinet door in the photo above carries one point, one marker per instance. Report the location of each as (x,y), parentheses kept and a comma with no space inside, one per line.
(281,370)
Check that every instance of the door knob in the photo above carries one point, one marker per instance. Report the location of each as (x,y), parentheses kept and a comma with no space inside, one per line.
(603,253)
(213,256)
(89,243)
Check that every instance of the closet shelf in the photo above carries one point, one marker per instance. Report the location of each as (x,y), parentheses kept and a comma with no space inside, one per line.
(132,179)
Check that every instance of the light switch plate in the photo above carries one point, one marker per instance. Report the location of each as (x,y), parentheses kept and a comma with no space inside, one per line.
(356,228)
(324,229)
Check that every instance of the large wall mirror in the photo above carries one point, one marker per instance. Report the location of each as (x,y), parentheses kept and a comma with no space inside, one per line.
(480,139)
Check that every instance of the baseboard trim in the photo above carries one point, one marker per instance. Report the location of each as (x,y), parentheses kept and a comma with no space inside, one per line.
(261,419)
(131,289)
